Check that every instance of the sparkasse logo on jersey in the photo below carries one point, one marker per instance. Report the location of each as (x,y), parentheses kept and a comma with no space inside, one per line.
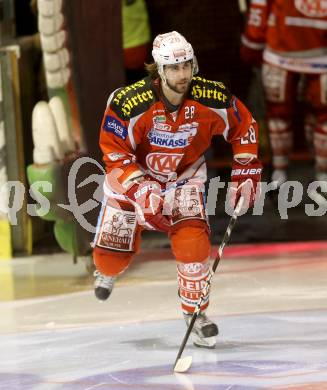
(163,162)
(181,139)
(112,125)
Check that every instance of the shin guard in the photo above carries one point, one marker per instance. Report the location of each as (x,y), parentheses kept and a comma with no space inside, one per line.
(191,281)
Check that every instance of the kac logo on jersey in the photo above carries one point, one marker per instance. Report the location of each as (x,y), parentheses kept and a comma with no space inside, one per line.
(312,8)
(112,125)
(181,139)
(163,163)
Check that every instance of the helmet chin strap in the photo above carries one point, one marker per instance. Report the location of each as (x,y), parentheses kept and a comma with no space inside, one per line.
(162,74)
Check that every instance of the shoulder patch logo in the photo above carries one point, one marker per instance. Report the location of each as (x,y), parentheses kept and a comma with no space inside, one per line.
(204,91)
(114,126)
(133,98)
(208,92)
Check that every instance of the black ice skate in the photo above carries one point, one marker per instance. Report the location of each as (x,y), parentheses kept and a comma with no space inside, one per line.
(103,285)
(203,332)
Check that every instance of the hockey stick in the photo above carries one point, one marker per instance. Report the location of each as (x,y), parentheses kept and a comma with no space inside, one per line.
(183,364)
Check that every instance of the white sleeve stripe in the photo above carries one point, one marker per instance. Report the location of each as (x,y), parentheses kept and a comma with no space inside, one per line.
(222,112)
(303,22)
(111,96)
(259,2)
(131,129)
(252,45)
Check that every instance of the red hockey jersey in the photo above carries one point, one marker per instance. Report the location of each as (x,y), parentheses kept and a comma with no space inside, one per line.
(139,135)
(293,33)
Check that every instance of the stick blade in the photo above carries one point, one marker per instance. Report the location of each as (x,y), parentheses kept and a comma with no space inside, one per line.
(183,364)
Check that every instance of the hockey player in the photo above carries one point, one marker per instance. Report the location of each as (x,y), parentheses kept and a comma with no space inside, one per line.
(291,36)
(153,137)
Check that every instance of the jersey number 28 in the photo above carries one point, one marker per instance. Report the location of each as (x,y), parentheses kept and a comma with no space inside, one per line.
(250,137)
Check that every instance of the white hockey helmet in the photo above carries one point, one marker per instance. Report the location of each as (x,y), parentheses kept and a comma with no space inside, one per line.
(172,48)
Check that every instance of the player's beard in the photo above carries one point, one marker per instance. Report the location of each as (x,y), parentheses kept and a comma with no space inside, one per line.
(178,87)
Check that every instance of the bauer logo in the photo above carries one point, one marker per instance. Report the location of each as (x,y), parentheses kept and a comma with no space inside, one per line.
(162,162)
(246,171)
(112,125)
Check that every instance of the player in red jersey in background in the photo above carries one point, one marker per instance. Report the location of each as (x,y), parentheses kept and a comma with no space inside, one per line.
(153,137)
(290,36)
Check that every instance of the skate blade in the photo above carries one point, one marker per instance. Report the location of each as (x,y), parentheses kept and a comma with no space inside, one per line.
(208,342)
